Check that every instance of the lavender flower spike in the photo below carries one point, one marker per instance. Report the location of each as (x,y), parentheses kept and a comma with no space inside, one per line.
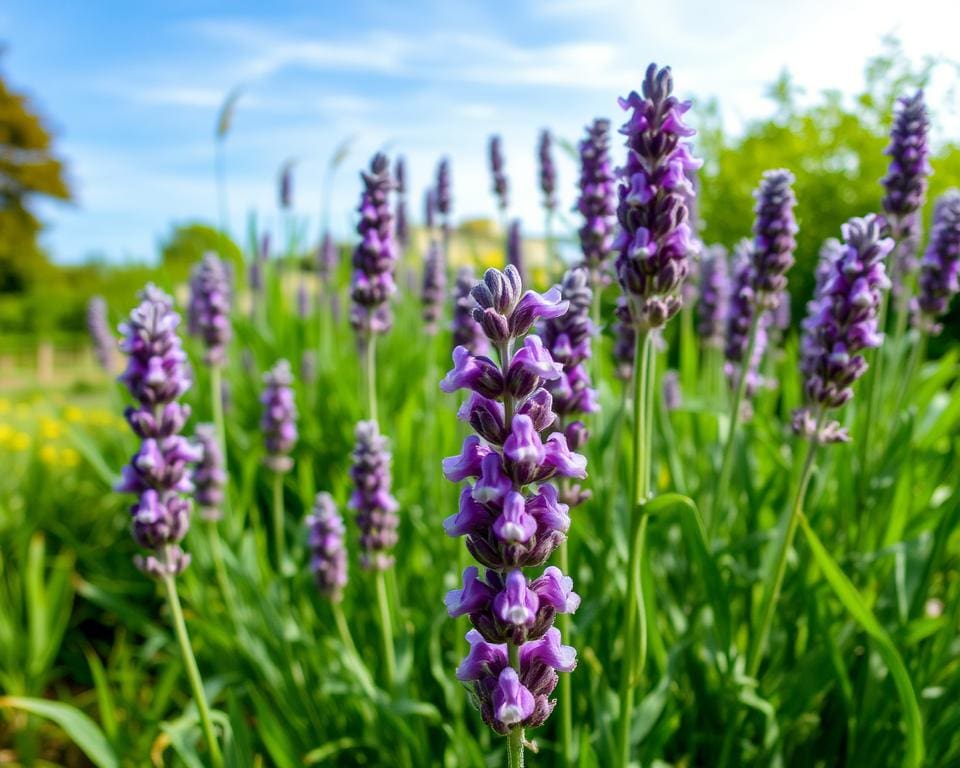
(597,202)
(714,301)
(568,339)
(654,237)
(500,184)
(774,238)
(515,248)
(941,263)
(740,314)
(375,257)
(376,509)
(434,285)
(208,313)
(841,322)
(466,330)
(625,341)
(509,513)
(209,476)
(548,171)
(906,179)
(104,344)
(328,560)
(279,420)
(444,197)
(401,228)
(157,376)
(327,257)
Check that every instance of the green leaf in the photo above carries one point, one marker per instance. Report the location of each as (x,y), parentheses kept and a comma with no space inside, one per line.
(695,534)
(85,733)
(847,594)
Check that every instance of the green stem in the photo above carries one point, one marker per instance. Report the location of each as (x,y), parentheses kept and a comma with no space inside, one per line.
(193,672)
(916,355)
(386,629)
(216,401)
(216,554)
(635,633)
(726,465)
(870,390)
(772,594)
(343,629)
(515,738)
(278,537)
(371,375)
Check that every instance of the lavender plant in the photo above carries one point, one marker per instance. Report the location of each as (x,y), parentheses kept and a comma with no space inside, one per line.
(328,553)
(434,287)
(279,427)
(157,376)
(104,343)
(841,322)
(401,229)
(510,515)
(745,345)
(653,245)
(548,186)
(597,204)
(771,256)
(498,173)
(515,249)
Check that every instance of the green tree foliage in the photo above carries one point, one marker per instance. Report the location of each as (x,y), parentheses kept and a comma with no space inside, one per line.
(29,169)
(187,243)
(835,149)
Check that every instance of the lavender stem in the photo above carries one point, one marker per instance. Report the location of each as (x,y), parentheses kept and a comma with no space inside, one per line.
(193,672)
(278,537)
(386,628)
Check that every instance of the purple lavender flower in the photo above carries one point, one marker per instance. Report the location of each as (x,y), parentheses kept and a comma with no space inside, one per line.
(376,509)
(327,257)
(443,192)
(742,306)
(906,179)
(654,237)
(466,330)
(714,301)
(401,228)
(597,202)
(434,287)
(774,238)
(157,375)
(430,209)
(104,343)
(515,248)
(375,257)
(548,171)
(941,262)
(209,476)
(285,187)
(510,514)
(568,339)
(328,554)
(842,320)
(500,184)
(208,313)
(279,420)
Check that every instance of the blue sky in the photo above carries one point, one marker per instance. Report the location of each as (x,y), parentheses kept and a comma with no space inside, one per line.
(133,90)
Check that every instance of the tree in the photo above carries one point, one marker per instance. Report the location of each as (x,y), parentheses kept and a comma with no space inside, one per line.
(187,243)
(29,169)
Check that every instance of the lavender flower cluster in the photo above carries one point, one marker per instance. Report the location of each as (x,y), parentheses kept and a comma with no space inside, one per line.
(434,285)
(597,202)
(548,171)
(568,339)
(279,420)
(500,184)
(654,237)
(401,228)
(774,237)
(515,249)
(841,320)
(714,305)
(375,257)
(906,179)
(509,513)
(743,305)
(104,344)
(375,507)
(328,555)
(159,473)
(209,475)
(444,199)
(208,313)
(941,262)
